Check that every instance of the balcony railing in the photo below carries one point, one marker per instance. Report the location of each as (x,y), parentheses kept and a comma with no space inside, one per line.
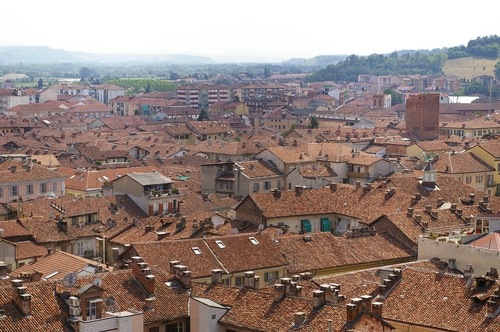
(358,175)
(491,184)
(161,193)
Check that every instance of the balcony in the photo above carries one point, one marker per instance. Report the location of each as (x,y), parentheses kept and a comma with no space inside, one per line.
(491,184)
(158,194)
(358,175)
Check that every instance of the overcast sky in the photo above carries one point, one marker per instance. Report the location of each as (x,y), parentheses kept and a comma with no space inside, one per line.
(270,30)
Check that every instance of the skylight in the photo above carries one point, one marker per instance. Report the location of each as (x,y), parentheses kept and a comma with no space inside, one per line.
(220,244)
(253,240)
(196,250)
(105,177)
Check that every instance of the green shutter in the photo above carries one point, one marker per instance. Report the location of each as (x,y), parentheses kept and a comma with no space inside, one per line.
(306,224)
(325,225)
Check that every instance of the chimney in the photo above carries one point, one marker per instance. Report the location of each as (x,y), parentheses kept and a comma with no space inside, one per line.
(162,235)
(428,208)
(472,196)
(493,273)
(366,302)
(20,297)
(380,176)
(413,200)
(418,196)
(333,187)
(434,214)
(251,281)
(13,168)
(459,212)
(440,201)
(216,276)
(453,207)
(150,303)
(150,228)
(318,299)
(276,193)
(384,184)
(358,184)
(377,308)
(288,283)
(410,211)
(279,292)
(469,271)
(172,265)
(195,228)
(331,293)
(486,199)
(357,301)
(299,189)
(299,318)
(352,312)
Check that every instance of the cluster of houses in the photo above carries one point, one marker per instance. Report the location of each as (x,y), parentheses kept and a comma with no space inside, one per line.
(384,218)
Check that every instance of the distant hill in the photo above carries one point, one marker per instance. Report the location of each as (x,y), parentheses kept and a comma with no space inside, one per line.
(319,61)
(42,54)
(470,67)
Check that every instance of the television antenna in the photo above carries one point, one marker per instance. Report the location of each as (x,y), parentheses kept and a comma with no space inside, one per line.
(69,280)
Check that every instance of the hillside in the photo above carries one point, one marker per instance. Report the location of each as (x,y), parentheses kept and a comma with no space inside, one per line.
(464,67)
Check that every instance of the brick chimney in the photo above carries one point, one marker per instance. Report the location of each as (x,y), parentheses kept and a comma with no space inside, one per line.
(142,273)
(276,193)
(331,293)
(333,187)
(299,318)
(249,279)
(410,211)
(469,271)
(358,184)
(172,265)
(440,201)
(288,284)
(472,196)
(377,308)
(279,292)
(64,225)
(428,208)
(357,301)
(299,189)
(352,312)
(318,299)
(21,297)
(162,235)
(366,302)
(216,276)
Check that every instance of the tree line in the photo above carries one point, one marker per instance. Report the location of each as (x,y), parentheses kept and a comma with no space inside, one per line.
(488,46)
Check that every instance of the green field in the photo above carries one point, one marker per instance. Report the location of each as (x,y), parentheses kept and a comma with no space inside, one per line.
(470,67)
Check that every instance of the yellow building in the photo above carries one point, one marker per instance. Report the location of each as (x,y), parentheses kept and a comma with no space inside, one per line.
(489,152)
(427,149)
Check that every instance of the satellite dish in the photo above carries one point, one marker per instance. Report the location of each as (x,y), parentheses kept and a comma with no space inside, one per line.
(69,279)
(234,231)
(97,282)
(261,228)
(280,232)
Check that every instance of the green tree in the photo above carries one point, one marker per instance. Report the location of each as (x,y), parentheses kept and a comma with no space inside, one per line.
(39,85)
(314,123)
(497,70)
(396,98)
(203,115)
(289,130)
(148,88)
(267,71)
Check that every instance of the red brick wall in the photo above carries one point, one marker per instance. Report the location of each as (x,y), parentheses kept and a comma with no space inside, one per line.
(422,115)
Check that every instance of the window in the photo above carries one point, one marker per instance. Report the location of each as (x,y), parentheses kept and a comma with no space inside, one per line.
(1,191)
(225,281)
(479,178)
(255,187)
(196,250)
(253,240)
(278,184)
(221,185)
(176,327)
(29,189)
(229,185)
(91,310)
(54,187)
(79,248)
(43,187)
(220,244)
(14,191)
(468,179)
(267,185)
(271,277)
(238,281)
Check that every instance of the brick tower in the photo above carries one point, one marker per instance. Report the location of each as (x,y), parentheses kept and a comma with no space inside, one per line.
(422,116)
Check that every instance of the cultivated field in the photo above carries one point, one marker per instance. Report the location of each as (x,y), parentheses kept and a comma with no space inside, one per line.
(470,67)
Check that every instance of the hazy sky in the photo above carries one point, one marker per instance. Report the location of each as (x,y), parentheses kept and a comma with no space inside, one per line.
(251,30)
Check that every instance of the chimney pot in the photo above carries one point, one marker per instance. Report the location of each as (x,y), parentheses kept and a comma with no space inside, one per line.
(410,211)
(318,299)
(279,292)
(377,308)
(299,318)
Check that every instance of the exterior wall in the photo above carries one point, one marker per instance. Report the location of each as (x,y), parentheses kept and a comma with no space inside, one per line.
(422,116)
(128,321)
(294,222)
(368,323)
(5,189)
(273,183)
(481,259)
(268,155)
(490,160)
(247,210)
(202,317)
(8,255)
(48,94)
